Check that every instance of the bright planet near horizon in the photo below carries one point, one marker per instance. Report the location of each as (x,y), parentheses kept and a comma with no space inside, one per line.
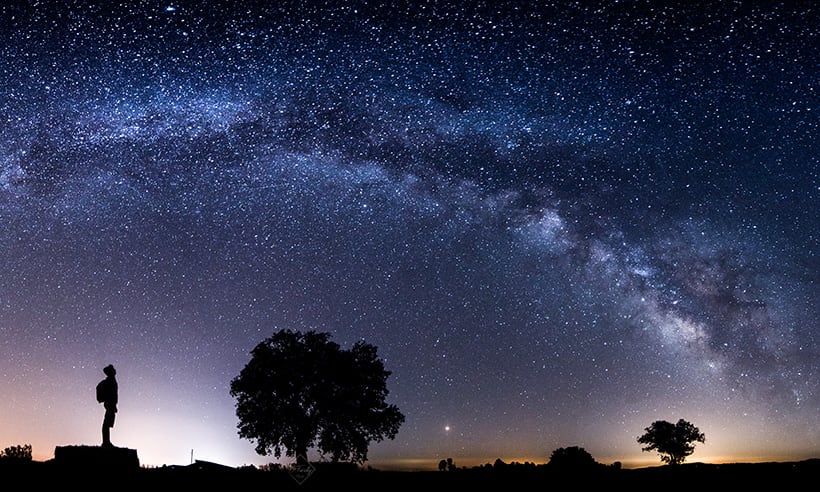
(558,222)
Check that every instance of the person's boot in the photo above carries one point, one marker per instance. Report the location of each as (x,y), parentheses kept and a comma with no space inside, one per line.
(106,438)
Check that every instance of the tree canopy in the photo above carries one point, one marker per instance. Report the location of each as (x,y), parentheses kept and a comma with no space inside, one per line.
(301,391)
(674,442)
(571,458)
(21,452)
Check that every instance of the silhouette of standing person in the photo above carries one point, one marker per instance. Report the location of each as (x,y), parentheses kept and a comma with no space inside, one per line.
(107,395)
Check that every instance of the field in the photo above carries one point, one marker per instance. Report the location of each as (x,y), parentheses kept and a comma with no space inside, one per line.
(694,476)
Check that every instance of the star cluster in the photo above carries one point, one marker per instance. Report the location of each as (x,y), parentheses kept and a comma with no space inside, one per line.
(558,221)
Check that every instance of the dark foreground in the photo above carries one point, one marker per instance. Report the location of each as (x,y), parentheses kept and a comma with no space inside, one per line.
(802,475)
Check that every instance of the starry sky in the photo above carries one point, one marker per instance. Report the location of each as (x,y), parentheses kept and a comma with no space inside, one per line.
(558,221)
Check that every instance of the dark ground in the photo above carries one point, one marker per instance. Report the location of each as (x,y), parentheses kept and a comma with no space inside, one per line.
(697,477)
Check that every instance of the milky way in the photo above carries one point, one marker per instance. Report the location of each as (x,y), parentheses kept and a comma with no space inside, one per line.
(558,222)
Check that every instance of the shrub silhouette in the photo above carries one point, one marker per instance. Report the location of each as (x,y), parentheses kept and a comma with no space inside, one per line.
(674,442)
(447,465)
(300,390)
(17,453)
(571,458)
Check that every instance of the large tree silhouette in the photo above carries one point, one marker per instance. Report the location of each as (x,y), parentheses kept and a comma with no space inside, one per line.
(301,391)
(674,442)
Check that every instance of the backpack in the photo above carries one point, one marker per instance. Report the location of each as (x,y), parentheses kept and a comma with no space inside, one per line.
(101,391)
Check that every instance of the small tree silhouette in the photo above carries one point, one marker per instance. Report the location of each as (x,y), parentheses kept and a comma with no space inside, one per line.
(571,458)
(17,453)
(674,442)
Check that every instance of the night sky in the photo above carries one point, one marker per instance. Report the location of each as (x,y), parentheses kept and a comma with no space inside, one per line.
(558,221)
